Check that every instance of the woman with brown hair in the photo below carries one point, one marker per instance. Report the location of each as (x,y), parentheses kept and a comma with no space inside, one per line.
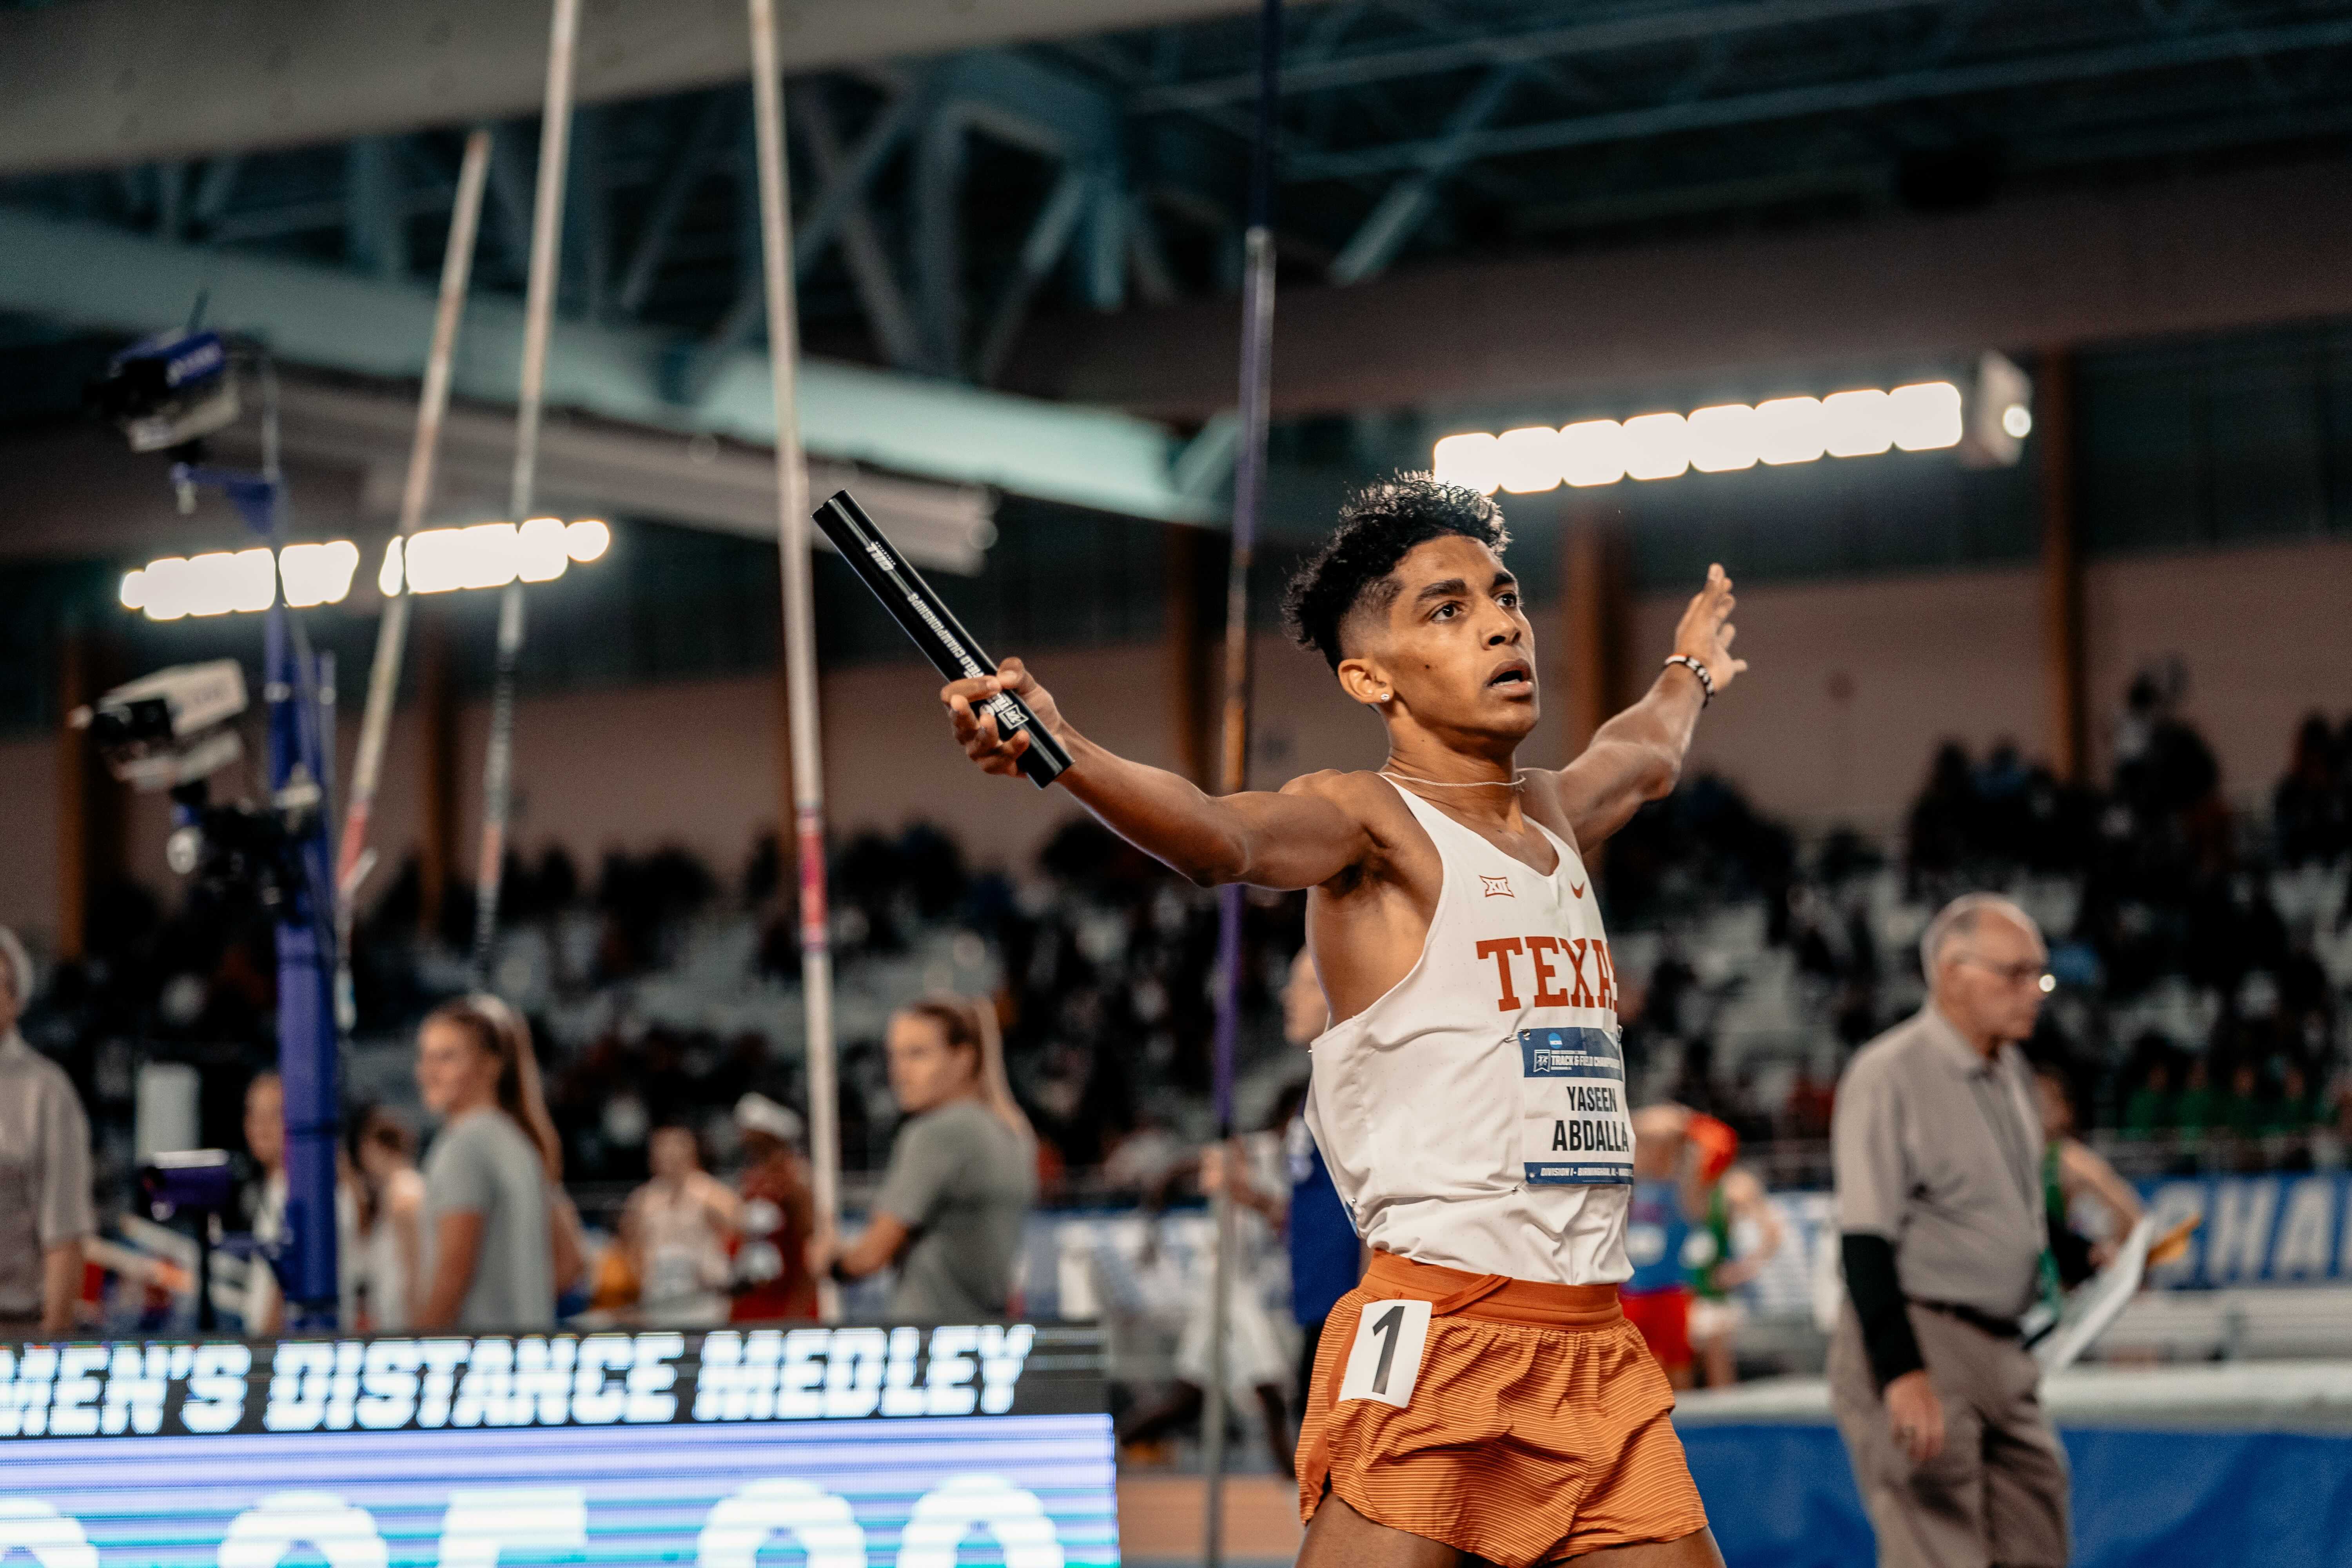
(392,1229)
(963,1171)
(501,1241)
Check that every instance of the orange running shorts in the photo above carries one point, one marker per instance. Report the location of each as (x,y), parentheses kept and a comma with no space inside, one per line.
(1519,1421)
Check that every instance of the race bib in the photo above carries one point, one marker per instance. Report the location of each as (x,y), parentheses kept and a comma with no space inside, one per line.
(1574,1127)
(1384,1361)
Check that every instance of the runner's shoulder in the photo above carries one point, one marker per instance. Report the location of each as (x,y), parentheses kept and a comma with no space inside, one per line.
(1362,795)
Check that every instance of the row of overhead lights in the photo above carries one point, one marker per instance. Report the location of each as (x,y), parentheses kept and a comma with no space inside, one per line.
(431,560)
(1922,417)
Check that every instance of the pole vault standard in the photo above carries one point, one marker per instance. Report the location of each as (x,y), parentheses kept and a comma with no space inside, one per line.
(538,319)
(1249,492)
(392,632)
(800,625)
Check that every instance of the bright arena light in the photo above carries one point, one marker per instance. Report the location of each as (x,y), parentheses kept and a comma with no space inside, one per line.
(492,554)
(1721,439)
(1528,460)
(1593,452)
(586,539)
(1657,446)
(317,574)
(486,555)
(1470,461)
(1926,417)
(1790,430)
(2018,420)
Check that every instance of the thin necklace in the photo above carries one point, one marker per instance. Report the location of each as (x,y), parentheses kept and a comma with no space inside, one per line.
(1517,780)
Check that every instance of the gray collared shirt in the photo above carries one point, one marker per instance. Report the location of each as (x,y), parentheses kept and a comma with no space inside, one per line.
(1940,1151)
(45,1186)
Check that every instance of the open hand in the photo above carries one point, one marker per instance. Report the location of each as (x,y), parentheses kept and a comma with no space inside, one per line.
(1705,631)
(975,728)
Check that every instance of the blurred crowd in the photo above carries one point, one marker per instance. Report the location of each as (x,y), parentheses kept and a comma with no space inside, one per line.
(2201,958)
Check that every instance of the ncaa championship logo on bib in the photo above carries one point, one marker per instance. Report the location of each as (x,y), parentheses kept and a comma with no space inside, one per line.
(1574,1127)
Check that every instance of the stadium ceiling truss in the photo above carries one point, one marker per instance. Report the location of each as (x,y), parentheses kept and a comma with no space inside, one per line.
(943,201)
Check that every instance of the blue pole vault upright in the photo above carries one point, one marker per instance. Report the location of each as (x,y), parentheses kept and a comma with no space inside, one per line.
(297,689)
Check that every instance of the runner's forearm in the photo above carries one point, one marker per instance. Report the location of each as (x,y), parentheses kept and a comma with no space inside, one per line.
(1877,1296)
(1634,758)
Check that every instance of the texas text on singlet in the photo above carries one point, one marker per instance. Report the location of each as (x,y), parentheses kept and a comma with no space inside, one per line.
(1482,1387)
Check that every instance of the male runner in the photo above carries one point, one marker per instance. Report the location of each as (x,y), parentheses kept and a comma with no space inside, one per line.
(1480,1396)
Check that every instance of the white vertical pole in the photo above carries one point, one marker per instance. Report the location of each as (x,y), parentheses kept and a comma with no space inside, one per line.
(392,632)
(539,321)
(800,625)
(1249,496)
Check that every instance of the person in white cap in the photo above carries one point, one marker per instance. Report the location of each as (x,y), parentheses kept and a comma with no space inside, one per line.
(778,1217)
(44,1182)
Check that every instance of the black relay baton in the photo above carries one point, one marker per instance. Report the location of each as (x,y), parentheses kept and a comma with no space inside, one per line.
(928,620)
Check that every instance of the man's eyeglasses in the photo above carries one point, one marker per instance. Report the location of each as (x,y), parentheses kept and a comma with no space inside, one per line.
(2015,974)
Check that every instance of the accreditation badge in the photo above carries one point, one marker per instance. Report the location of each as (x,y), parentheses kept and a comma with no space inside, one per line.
(1574,1127)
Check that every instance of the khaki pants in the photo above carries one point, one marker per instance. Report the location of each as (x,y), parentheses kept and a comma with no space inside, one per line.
(1996,1496)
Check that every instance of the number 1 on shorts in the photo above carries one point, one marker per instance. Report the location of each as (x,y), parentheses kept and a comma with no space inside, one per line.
(1384,1361)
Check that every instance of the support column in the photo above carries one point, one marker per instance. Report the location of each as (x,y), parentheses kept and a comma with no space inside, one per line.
(2065,677)
(1188,674)
(436,751)
(1597,598)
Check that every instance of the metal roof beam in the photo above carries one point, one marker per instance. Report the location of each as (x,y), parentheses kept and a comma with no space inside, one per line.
(1835,97)
(100,278)
(1640,30)
(104,82)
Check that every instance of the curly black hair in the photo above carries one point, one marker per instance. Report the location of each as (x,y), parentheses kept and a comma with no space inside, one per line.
(1378,526)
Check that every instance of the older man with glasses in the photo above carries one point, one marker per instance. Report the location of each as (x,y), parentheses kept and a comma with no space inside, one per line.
(1937,1150)
(45,1178)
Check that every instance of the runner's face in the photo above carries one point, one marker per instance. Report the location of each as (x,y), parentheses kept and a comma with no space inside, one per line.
(1454,647)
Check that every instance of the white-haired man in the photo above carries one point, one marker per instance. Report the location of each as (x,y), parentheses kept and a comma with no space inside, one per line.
(1937,1150)
(44,1192)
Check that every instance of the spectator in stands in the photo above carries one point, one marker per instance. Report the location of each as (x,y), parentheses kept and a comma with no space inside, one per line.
(1943,825)
(2194,1109)
(392,1244)
(502,1241)
(2308,809)
(264,1140)
(675,1228)
(1326,1257)
(776,1219)
(46,1217)
(2148,1112)
(1258,1362)
(2240,1110)
(963,1172)
(2071,1172)
(1937,1151)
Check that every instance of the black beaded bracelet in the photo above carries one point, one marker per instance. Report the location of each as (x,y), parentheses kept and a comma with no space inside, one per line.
(1705,681)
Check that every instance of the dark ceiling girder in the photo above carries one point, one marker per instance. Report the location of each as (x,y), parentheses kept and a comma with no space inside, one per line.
(105,82)
(1834,97)
(1646,29)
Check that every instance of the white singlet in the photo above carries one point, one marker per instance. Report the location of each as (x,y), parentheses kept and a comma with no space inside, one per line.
(1474,1116)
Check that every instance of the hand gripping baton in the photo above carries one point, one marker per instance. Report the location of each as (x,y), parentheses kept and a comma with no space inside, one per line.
(936,631)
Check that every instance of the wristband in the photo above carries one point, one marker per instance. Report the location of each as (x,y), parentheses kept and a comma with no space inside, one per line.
(1705,681)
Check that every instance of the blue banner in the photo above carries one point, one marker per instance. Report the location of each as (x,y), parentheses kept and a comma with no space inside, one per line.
(2257,1230)
(1783,1497)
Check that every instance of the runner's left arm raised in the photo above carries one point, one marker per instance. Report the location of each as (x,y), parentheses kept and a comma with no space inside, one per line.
(1637,756)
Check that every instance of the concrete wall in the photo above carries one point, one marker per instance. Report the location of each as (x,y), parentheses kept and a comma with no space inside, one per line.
(1854,684)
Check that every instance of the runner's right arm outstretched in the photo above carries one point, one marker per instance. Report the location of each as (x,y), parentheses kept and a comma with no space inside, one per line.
(1300,836)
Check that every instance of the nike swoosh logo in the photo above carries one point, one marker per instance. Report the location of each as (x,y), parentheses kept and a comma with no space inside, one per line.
(1577,890)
